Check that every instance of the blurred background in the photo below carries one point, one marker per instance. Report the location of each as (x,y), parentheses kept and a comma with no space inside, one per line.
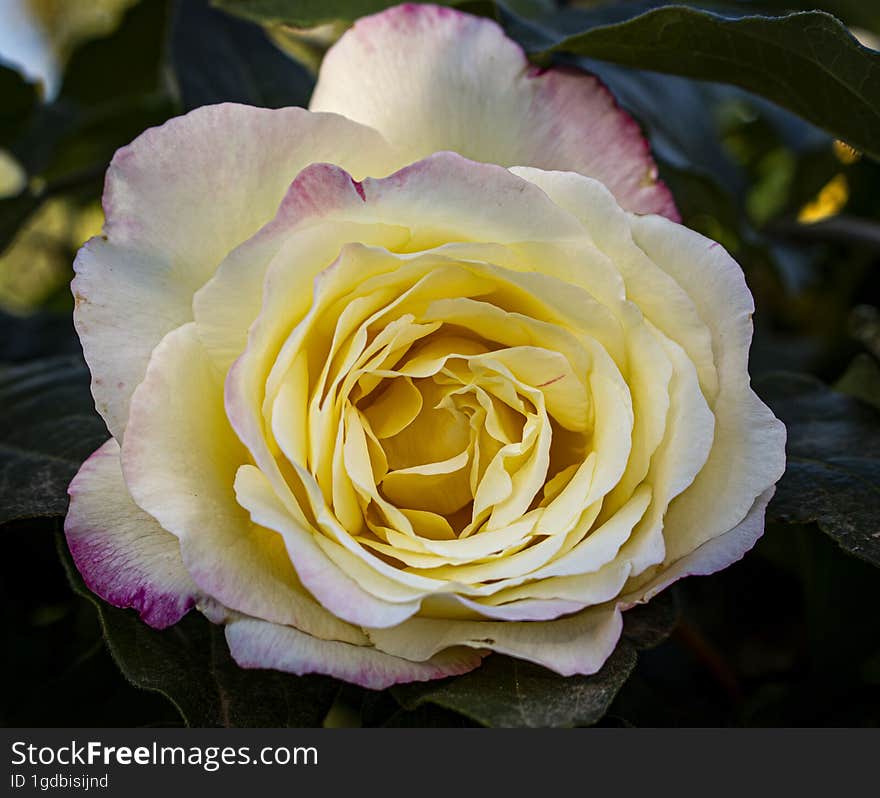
(787,637)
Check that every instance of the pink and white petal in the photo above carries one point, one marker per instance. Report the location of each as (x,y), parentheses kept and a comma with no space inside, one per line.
(180,457)
(442,198)
(713,556)
(176,201)
(122,553)
(430,78)
(258,644)
(577,644)
(446,197)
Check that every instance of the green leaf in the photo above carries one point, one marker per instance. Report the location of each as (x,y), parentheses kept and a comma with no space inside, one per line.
(833,472)
(220,58)
(113,88)
(14,211)
(309,13)
(303,13)
(807,62)
(125,63)
(506,692)
(19,100)
(189,664)
(38,335)
(428,716)
(48,427)
(862,380)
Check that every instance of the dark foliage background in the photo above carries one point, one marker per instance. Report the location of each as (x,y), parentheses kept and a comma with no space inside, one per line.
(787,637)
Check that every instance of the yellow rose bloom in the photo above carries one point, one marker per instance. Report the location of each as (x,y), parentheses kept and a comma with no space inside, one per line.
(428,371)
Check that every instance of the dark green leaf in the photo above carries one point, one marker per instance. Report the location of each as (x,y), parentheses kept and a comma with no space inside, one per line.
(855,12)
(14,211)
(56,667)
(19,100)
(308,13)
(47,428)
(807,62)
(219,58)
(125,63)
(76,161)
(428,716)
(862,380)
(189,664)
(673,112)
(304,13)
(833,471)
(113,88)
(38,335)
(648,625)
(506,692)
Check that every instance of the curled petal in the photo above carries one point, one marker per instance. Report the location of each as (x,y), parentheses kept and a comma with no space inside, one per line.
(696,294)
(579,643)
(180,459)
(748,453)
(431,79)
(258,644)
(712,556)
(122,553)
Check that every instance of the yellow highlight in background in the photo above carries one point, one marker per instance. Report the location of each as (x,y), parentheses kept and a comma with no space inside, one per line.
(39,260)
(828,202)
(845,154)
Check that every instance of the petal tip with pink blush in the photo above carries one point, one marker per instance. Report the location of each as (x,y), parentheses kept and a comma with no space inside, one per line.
(123,555)
(316,191)
(99,565)
(392,70)
(625,164)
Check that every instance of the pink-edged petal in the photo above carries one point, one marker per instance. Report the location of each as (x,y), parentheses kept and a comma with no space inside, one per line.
(310,228)
(444,197)
(176,201)
(258,644)
(180,457)
(430,78)
(122,553)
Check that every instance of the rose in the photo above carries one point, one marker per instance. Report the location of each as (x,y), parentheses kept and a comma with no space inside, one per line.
(381,426)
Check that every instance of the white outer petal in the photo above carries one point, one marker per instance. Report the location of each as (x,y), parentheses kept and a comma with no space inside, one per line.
(431,78)
(176,201)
